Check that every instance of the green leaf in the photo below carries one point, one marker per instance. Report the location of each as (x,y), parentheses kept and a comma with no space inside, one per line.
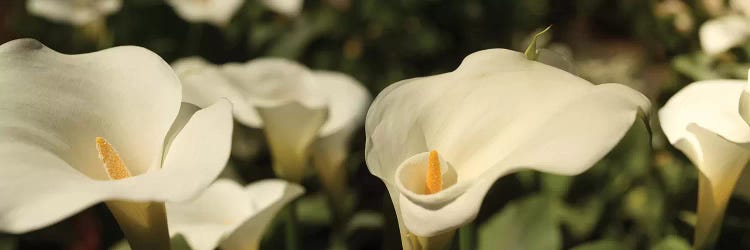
(8,242)
(696,66)
(606,244)
(524,224)
(556,185)
(581,220)
(313,210)
(531,52)
(672,242)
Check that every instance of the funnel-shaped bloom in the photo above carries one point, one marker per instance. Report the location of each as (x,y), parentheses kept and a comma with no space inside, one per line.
(229,215)
(216,12)
(704,122)
(301,111)
(76,130)
(725,32)
(496,114)
(76,12)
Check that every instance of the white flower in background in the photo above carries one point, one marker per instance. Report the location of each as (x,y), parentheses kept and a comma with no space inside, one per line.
(440,142)
(725,32)
(109,126)
(230,216)
(290,8)
(301,111)
(216,12)
(77,12)
(703,120)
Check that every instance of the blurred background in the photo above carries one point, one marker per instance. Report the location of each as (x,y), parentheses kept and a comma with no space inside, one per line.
(641,196)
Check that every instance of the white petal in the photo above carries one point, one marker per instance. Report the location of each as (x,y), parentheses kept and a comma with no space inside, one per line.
(702,120)
(290,130)
(74,12)
(204,83)
(60,103)
(229,215)
(213,215)
(347,101)
(267,198)
(721,163)
(53,106)
(742,6)
(497,112)
(270,82)
(286,7)
(216,12)
(712,105)
(723,33)
(347,105)
(198,153)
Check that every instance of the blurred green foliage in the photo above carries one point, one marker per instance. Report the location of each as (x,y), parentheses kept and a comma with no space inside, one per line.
(641,196)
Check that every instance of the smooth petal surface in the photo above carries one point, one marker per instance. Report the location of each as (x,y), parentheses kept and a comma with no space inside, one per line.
(290,130)
(347,105)
(347,101)
(75,12)
(496,113)
(702,120)
(53,106)
(711,105)
(723,33)
(267,197)
(216,12)
(273,82)
(285,7)
(203,83)
(229,215)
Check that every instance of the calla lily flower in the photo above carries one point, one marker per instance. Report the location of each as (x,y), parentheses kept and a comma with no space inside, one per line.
(107,126)
(302,112)
(704,122)
(216,12)
(230,216)
(440,142)
(290,8)
(725,32)
(76,12)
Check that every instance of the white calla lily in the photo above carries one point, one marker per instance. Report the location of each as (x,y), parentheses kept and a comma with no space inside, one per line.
(496,114)
(216,12)
(302,112)
(230,216)
(704,122)
(725,32)
(107,126)
(76,12)
(285,7)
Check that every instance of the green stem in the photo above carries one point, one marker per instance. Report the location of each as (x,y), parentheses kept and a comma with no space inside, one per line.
(292,236)
(466,237)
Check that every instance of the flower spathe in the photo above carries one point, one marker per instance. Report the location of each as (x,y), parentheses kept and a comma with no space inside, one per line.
(497,113)
(301,111)
(76,12)
(216,12)
(727,31)
(703,120)
(107,126)
(230,216)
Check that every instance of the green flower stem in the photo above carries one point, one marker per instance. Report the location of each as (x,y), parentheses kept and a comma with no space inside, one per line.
(292,233)
(466,237)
